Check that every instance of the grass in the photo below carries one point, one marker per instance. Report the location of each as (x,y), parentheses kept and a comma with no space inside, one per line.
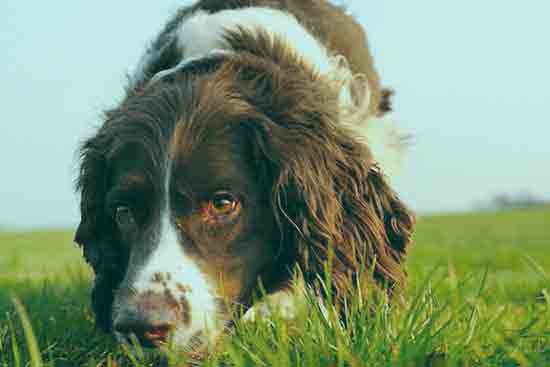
(479,296)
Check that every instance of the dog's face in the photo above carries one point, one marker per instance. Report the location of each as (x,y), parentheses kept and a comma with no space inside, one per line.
(177,211)
(233,172)
(195,242)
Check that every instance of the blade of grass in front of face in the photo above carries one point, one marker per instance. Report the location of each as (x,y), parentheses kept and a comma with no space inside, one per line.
(32,345)
(16,353)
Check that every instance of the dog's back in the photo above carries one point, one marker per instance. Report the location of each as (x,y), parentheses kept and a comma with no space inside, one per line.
(329,24)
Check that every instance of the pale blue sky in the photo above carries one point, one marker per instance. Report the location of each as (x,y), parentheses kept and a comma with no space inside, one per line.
(472,81)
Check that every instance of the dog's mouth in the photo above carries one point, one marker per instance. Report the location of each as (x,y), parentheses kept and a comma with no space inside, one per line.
(155,336)
(193,346)
(171,337)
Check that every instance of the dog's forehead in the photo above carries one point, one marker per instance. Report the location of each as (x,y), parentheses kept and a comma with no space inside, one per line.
(132,167)
(219,157)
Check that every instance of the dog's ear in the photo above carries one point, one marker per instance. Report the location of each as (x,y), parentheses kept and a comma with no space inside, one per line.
(337,207)
(390,226)
(91,232)
(91,184)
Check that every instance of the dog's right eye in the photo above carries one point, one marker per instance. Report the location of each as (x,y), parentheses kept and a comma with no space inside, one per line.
(124,218)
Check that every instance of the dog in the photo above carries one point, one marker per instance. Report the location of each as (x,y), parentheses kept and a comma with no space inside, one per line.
(252,141)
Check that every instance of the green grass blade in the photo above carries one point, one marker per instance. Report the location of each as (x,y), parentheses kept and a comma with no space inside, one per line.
(32,344)
(16,353)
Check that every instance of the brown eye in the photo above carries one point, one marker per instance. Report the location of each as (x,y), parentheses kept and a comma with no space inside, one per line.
(223,204)
(124,218)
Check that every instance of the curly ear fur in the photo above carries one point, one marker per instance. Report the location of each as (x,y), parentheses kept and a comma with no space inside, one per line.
(328,194)
(92,232)
(333,198)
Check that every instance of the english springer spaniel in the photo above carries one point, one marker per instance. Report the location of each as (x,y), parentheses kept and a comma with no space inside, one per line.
(251,142)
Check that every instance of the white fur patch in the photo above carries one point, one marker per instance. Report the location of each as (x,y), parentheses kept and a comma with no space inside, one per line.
(181,277)
(185,62)
(386,142)
(170,258)
(282,303)
(203,32)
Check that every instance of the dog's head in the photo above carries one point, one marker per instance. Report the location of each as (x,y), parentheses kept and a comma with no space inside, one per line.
(233,170)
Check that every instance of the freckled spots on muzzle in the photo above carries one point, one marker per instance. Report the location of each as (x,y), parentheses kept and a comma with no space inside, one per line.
(152,316)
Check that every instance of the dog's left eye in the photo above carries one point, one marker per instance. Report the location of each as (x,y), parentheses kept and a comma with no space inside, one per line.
(223,204)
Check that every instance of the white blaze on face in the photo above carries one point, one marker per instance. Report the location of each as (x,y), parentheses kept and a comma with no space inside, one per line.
(182,278)
(169,259)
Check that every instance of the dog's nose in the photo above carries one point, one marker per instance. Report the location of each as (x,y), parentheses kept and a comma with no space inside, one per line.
(150,317)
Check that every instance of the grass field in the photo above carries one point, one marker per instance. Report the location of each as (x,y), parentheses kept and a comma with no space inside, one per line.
(479,296)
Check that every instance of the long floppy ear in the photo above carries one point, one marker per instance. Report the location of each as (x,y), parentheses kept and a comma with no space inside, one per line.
(329,195)
(92,231)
